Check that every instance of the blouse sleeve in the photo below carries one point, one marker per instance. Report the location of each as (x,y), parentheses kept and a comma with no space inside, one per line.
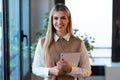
(38,67)
(84,69)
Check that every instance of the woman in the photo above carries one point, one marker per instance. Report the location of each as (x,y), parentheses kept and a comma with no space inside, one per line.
(60,39)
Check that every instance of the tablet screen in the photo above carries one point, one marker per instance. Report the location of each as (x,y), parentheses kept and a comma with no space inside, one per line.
(73,58)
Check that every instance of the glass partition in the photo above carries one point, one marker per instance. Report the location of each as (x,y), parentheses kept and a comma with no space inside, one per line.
(14,39)
(1,45)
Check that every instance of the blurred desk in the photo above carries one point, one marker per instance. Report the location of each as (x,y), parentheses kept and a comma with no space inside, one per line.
(112,72)
(104,69)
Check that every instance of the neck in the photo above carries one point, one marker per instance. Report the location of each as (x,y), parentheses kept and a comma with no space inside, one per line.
(61,34)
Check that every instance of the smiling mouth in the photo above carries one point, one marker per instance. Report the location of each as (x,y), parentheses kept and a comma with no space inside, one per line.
(60,26)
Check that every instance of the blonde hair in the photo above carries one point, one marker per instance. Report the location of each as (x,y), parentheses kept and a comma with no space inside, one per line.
(50,31)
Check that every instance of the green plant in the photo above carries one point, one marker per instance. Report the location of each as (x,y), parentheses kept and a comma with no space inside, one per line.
(88,40)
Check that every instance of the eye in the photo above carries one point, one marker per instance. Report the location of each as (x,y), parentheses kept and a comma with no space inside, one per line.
(63,17)
(55,18)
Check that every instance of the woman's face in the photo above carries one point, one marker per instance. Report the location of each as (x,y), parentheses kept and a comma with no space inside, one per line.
(60,21)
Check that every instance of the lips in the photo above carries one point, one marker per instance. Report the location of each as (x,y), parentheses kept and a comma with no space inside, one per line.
(60,26)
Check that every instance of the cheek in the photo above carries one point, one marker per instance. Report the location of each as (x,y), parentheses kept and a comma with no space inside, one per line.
(66,23)
(53,23)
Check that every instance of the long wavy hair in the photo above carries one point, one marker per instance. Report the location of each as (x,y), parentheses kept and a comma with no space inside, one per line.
(51,30)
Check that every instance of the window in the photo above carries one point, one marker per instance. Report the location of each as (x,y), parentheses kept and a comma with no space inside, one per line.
(16,40)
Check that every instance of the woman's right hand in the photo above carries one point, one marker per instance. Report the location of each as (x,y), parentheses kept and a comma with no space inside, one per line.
(55,72)
(64,65)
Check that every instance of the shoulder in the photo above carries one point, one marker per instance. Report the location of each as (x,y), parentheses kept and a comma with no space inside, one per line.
(74,38)
(41,40)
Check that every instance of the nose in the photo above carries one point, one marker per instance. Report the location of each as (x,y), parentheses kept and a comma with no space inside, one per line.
(59,21)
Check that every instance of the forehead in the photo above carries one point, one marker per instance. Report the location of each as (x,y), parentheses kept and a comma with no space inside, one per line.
(59,13)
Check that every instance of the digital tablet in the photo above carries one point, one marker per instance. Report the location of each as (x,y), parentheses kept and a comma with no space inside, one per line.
(73,58)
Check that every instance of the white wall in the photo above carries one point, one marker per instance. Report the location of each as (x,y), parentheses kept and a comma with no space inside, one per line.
(93,17)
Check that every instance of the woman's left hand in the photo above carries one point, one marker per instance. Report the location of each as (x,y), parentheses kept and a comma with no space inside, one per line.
(64,65)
